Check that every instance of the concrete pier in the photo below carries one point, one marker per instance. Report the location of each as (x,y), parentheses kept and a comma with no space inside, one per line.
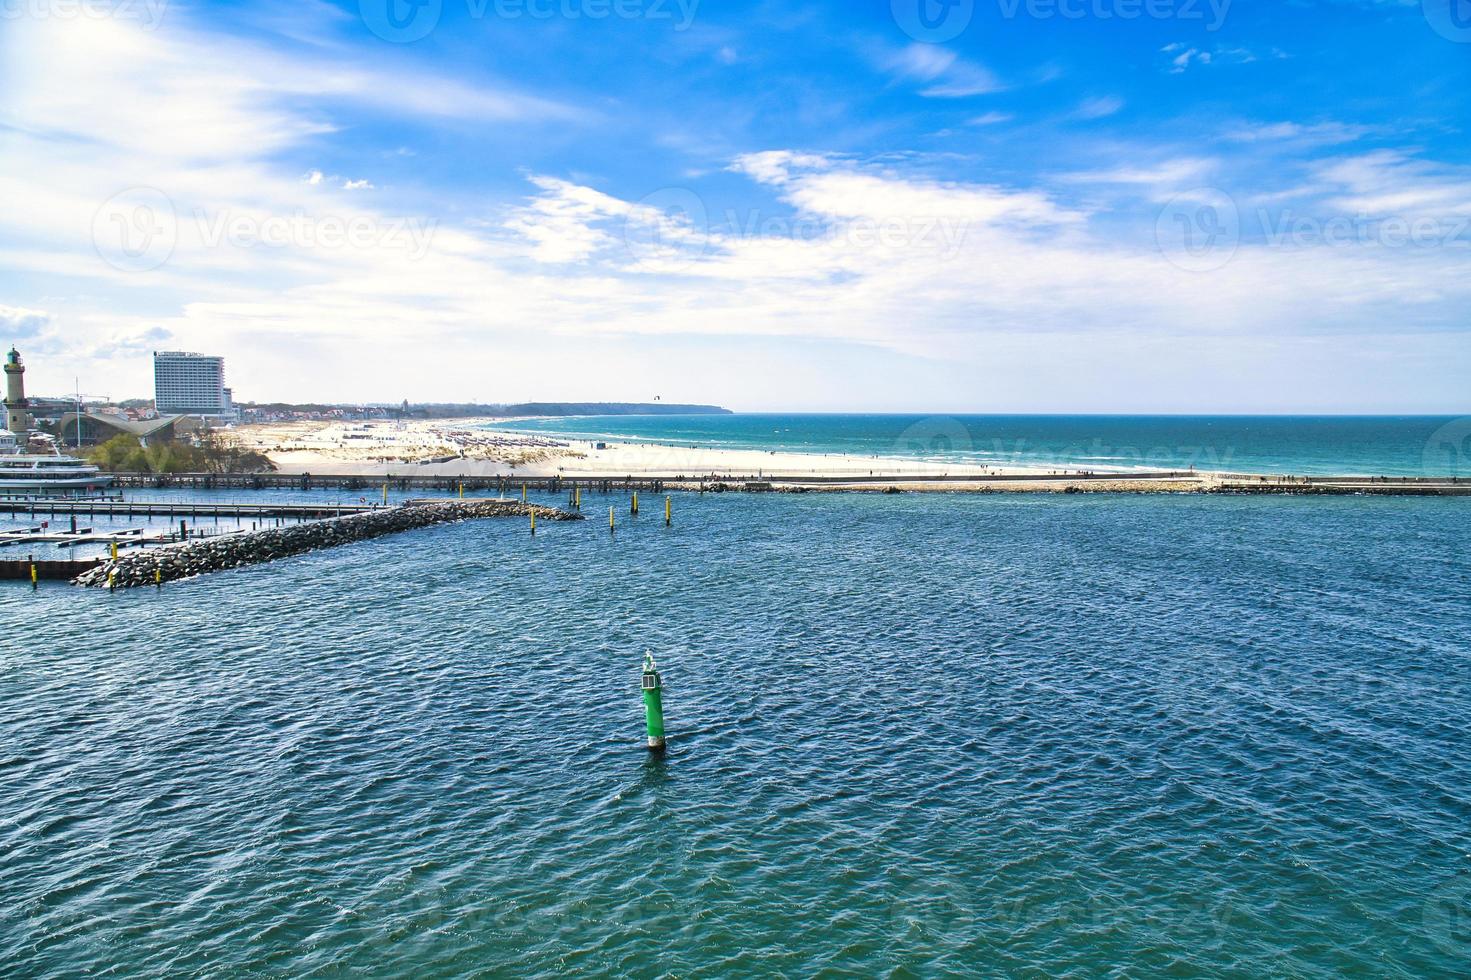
(43,507)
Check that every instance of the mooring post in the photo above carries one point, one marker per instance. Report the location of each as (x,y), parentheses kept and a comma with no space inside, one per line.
(668,511)
(183,530)
(533,524)
(612,524)
(653,705)
(577,498)
(158,579)
(634,508)
(523,493)
(114,551)
(112,581)
(34,586)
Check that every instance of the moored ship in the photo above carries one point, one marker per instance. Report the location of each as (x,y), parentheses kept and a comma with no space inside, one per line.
(27,474)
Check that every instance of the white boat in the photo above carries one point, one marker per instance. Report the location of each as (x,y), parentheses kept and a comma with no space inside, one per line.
(27,474)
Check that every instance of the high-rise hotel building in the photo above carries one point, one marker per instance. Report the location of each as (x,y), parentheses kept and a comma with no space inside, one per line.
(190,384)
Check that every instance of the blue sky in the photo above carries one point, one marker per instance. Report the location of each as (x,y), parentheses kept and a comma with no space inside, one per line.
(974,205)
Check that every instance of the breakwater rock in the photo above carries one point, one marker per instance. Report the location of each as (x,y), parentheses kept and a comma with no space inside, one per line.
(217,554)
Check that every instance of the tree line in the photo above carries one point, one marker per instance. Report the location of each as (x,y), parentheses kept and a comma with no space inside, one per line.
(214,452)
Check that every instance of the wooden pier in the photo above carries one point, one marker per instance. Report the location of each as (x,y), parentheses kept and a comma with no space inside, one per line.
(367,486)
(129,509)
(123,538)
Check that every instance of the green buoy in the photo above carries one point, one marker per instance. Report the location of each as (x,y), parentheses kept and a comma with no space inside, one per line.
(653,705)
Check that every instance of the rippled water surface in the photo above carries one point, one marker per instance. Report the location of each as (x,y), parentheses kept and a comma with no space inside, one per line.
(1301,444)
(1022,735)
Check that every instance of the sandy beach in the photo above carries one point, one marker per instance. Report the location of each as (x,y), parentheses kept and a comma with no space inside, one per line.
(459,447)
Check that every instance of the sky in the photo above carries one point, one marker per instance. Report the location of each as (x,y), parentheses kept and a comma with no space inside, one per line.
(1168,206)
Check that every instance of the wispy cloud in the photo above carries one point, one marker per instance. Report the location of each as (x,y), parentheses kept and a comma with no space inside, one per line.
(1164,175)
(1316,134)
(1391,182)
(1181,57)
(1098,108)
(948,76)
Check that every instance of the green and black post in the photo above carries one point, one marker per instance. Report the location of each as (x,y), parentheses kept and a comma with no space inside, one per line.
(653,705)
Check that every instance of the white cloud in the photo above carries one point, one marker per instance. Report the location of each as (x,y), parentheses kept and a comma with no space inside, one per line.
(1181,61)
(947,75)
(1318,134)
(1163,176)
(1183,57)
(168,92)
(18,323)
(836,248)
(776,166)
(1393,183)
(357,185)
(922,61)
(1098,108)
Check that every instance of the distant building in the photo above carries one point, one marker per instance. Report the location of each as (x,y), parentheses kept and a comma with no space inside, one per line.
(92,427)
(45,411)
(17,418)
(190,384)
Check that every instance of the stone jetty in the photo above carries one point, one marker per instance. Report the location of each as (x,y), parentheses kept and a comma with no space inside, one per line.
(217,554)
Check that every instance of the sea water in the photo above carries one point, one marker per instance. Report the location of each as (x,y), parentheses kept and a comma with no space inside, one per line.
(1301,445)
(1027,735)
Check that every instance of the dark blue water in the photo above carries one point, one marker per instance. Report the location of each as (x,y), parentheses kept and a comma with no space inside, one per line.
(1302,445)
(909,735)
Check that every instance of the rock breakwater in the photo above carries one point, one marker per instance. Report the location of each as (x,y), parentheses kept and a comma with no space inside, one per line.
(217,554)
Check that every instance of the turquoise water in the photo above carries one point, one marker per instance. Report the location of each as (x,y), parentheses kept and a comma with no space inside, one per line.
(909,735)
(1301,445)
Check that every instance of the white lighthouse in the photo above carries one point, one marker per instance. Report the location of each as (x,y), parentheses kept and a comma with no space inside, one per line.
(17,419)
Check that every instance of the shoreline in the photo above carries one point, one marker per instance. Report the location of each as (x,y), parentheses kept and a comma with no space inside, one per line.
(440,453)
(465,448)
